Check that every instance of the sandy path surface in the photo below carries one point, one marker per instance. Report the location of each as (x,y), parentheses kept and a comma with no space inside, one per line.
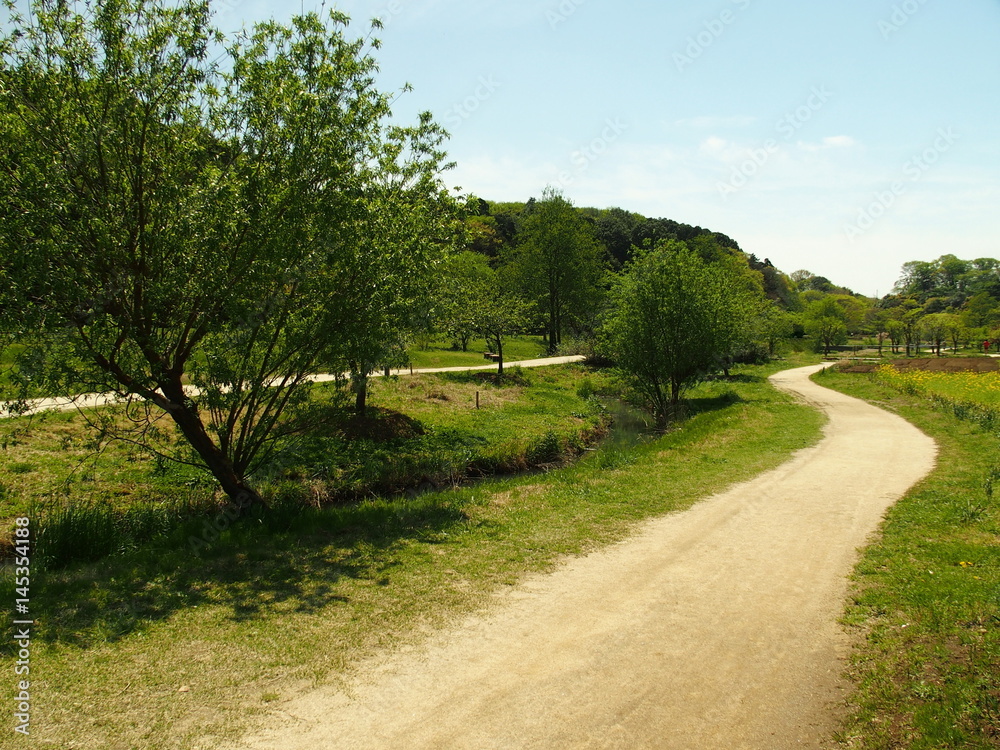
(91,400)
(711,628)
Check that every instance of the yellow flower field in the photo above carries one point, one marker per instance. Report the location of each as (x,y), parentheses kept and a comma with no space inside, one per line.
(981,388)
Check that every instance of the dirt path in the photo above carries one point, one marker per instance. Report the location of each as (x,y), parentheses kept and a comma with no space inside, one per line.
(91,400)
(712,628)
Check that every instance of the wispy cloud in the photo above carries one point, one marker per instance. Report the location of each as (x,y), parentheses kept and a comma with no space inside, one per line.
(836,141)
(712,122)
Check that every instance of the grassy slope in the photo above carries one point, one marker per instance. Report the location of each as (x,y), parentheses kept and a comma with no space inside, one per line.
(54,458)
(927,597)
(262,613)
(440,354)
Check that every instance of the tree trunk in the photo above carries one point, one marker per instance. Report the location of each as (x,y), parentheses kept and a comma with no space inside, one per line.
(361,394)
(553,336)
(499,360)
(187,419)
(558,327)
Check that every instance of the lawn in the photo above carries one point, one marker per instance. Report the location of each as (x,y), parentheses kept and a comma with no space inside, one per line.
(175,644)
(926,598)
(441,353)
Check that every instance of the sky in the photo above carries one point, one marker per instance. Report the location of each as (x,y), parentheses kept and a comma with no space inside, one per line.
(845,138)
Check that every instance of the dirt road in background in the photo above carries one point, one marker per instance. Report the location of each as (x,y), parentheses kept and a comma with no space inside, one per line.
(712,628)
(91,400)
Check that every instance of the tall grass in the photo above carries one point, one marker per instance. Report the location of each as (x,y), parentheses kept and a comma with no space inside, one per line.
(86,531)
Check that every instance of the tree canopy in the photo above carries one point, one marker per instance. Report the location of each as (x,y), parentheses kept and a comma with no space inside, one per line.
(233,220)
(674,316)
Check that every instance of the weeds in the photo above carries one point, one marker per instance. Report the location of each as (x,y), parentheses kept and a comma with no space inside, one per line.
(927,593)
(304,593)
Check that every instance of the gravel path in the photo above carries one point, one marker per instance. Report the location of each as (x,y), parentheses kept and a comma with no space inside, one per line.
(711,628)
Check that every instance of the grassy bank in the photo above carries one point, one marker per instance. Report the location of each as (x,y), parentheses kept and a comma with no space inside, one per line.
(927,594)
(171,645)
(441,353)
(89,498)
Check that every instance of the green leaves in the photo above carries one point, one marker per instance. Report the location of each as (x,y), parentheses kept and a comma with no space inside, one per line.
(236,224)
(674,316)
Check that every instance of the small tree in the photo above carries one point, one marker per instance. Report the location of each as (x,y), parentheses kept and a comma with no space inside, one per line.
(674,316)
(174,221)
(499,314)
(771,325)
(458,293)
(829,331)
(954,328)
(935,330)
(826,322)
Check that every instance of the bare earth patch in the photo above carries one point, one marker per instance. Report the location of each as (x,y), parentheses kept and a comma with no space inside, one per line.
(712,628)
(934,364)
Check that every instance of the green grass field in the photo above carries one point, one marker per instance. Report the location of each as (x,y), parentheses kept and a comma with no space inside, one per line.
(926,599)
(421,430)
(440,353)
(262,611)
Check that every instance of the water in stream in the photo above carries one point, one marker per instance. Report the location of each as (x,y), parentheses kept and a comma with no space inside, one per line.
(629,427)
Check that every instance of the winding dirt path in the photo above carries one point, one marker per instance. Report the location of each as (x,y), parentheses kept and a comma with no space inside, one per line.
(711,628)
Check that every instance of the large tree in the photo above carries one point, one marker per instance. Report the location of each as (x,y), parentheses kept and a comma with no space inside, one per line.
(558,262)
(181,210)
(674,317)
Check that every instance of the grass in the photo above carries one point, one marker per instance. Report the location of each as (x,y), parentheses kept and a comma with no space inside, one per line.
(441,354)
(263,612)
(926,600)
(90,498)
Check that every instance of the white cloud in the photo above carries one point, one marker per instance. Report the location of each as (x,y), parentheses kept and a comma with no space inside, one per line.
(836,141)
(715,146)
(709,122)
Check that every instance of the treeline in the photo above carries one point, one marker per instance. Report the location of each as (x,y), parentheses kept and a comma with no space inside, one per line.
(944,303)
(561,261)
(664,301)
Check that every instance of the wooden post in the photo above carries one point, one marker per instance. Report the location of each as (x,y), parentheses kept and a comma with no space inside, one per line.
(477,399)
(411,368)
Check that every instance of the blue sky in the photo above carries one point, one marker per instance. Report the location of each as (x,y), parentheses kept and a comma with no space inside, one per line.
(841,137)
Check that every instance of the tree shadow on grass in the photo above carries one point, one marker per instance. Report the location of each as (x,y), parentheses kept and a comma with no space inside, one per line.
(704,404)
(298,564)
